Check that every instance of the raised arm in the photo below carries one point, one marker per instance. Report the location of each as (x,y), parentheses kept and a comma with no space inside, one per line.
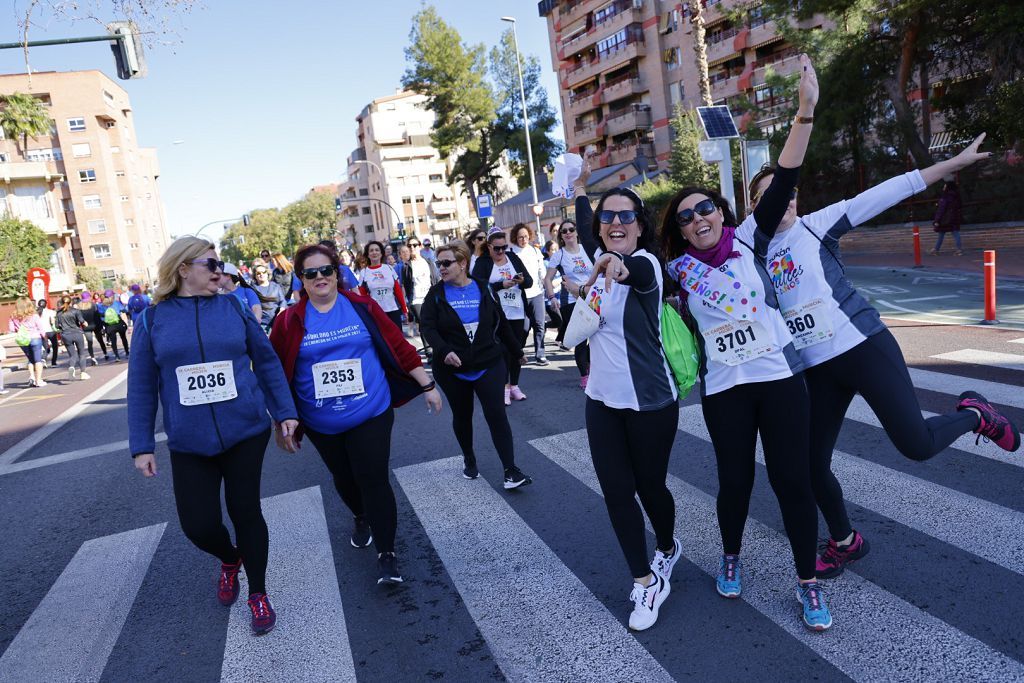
(970,155)
(585,214)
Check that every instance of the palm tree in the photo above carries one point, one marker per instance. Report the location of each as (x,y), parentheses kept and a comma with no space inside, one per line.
(23,116)
(700,50)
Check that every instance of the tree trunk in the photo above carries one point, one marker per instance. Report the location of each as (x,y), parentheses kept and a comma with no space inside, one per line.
(926,108)
(907,123)
(700,49)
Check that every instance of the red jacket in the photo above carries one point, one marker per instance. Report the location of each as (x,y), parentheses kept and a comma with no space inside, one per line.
(398,356)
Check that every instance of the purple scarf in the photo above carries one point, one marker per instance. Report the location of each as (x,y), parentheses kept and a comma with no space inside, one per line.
(718,254)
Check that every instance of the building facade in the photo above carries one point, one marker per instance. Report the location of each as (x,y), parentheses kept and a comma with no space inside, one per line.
(88,185)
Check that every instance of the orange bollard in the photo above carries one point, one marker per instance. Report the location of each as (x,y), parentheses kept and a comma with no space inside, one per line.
(990,287)
(917,247)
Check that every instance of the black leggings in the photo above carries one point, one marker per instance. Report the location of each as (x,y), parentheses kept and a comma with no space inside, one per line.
(396,317)
(556,322)
(197,481)
(359,463)
(580,352)
(112,333)
(98,334)
(780,411)
(489,388)
(521,330)
(415,316)
(52,346)
(630,450)
(74,342)
(875,369)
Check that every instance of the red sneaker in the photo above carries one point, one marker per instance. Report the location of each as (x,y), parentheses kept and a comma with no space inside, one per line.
(835,557)
(227,587)
(263,615)
(993,426)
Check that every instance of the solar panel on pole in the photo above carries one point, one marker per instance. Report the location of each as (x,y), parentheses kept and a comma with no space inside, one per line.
(718,122)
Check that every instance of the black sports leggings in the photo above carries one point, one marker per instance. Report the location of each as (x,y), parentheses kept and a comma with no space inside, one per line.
(875,369)
(74,342)
(396,317)
(630,450)
(112,333)
(52,346)
(490,389)
(359,463)
(197,481)
(98,334)
(521,329)
(779,410)
(580,352)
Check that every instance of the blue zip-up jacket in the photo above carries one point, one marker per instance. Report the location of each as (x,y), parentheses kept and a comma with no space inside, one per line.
(201,329)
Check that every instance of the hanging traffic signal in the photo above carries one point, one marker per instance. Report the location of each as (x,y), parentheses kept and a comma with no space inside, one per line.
(127,49)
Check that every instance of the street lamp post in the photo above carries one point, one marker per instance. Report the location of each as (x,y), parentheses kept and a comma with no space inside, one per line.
(526,118)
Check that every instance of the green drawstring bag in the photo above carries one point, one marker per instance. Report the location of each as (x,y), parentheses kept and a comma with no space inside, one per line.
(680,349)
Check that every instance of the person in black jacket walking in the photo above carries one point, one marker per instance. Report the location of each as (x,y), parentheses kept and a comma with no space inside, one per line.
(508,277)
(464,324)
(69,324)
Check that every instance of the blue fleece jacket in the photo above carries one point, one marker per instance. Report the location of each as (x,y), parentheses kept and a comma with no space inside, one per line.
(201,329)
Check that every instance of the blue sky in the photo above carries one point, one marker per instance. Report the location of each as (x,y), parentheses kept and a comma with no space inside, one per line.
(265,94)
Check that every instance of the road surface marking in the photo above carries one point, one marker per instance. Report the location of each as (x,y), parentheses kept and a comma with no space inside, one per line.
(102,449)
(310,641)
(35,438)
(72,632)
(927,298)
(938,278)
(860,411)
(30,399)
(1017,341)
(988,530)
(997,392)
(1007,361)
(911,310)
(903,640)
(481,540)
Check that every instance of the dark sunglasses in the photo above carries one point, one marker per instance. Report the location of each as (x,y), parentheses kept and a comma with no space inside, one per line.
(757,197)
(703,208)
(479,238)
(497,250)
(212,264)
(265,255)
(414,244)
(569,231)
(625,217)
(311,273)
(445,263)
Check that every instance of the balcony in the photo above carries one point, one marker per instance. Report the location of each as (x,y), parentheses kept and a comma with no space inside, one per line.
(622,54)
(723,47)
(631,119)
(580,73)
(580,103)
(763,35)
(623,86)
(585,134)
(626,15)
(784,66)
(724,87)
(570,12)
(443,207)
(28,170)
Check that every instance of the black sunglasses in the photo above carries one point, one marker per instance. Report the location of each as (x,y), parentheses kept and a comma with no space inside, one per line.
(569,231)
(479,238)
(445,263)
(414,244)
(212,264)
(311,273)
(498,249)
(704,208)
(625,217)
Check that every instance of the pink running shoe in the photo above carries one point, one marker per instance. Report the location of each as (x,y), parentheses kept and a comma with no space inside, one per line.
(227,586)
(508,396)
(994,426)
(517,394)
(583,381)
(835,557)
(263,616)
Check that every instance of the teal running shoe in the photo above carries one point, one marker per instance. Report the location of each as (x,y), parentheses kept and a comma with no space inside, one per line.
(816,614)
(728,583)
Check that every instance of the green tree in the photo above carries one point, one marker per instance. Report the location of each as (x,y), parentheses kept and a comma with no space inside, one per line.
(310,219)
(90,277)
(685,164)
(22,246)
(22,117)
(266,230)
(656,194)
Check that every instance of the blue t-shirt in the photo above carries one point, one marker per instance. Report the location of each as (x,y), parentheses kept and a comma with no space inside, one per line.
(347,278)
(296,284)
(338,334)
(248,297)
(466,302)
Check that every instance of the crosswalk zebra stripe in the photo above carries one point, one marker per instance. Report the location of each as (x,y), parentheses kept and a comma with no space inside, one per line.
(73,630)
(58,458)
(1007,361)
(985,529)
(1017,341)
(310,642)
(997,392)
(860,411)
(903,640)
(482,541)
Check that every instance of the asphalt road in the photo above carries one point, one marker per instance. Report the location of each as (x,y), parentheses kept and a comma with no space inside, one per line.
(100,584)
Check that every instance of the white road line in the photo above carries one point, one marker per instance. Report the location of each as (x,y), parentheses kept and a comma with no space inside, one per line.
(1007,361)
(990,531)
(860,411)
(310,641)
(481,539)
(35,438)
(102,449)
(997,392)
(915,312)
(1017,341)
(73,630)
(927,298)
(903,640)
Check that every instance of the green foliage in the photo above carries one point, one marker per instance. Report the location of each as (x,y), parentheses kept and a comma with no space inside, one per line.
(90,277)
(685,164)
(22,117)
(266,230)
(22,246)
(310,219)
(656,195)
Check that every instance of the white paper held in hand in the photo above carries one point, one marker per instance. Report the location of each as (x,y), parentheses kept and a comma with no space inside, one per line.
(582,325)
(567,169)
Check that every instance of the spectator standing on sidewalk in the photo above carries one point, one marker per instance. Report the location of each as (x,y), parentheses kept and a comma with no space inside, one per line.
(948,216)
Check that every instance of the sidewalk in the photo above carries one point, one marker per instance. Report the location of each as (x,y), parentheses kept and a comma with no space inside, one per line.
(1009,261)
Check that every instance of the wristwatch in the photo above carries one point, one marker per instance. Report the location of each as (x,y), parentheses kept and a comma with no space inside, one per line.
(804,119)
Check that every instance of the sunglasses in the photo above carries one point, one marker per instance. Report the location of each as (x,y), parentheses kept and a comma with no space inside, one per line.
(479,238)
(703,208)
(265,255)
(569,231)
(625,217)
(212,264)
(498,249)
(414,244)
(445,263)
(311,273)
(757,197)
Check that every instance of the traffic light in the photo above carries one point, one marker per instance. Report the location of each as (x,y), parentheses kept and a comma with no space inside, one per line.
(246,220)
(337,203)
(127,49)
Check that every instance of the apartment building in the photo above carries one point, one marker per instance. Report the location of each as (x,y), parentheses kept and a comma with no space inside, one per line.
(624,64)
(88,184)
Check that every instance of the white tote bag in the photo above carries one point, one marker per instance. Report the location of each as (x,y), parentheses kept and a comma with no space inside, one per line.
(582,325)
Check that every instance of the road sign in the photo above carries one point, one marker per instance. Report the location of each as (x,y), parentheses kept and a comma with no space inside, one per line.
(483,206)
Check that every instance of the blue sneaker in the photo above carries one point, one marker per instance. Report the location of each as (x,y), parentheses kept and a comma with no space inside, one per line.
(816,614)
(728,583)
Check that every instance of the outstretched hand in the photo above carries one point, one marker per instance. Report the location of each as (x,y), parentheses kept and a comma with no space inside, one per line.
(808,86)
(971,154)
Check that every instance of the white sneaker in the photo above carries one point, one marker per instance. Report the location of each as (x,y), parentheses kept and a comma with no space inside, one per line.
(646,601)
(71,372)
(41,383)
(84,375)
(662,565)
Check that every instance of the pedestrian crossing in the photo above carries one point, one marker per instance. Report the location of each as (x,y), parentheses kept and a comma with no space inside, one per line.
(538,618)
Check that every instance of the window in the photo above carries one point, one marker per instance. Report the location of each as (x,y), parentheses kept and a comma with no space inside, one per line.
(612,43)
(436,178)
(115,149)
(363,192)
(124,198)
(101,251)
(4,157)
(129,221)
(368,229)
(108,97)
(757,17)
(366,209)
(92,201)
(605,13)
(87,175)
(119,174)
(108,274)
(133,245)
(44,155)
(68,205)
(76,125)
(81,149)
(97,226)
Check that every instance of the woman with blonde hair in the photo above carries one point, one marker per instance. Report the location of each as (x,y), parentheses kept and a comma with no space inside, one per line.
(210,365)
(282,273)
(28,334)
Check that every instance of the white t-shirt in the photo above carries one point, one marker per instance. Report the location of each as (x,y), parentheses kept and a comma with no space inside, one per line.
(420,278)
(576,269)
(380,282)
(47,317)
(511,298)
(825,314)
(533,261)
(627,364)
